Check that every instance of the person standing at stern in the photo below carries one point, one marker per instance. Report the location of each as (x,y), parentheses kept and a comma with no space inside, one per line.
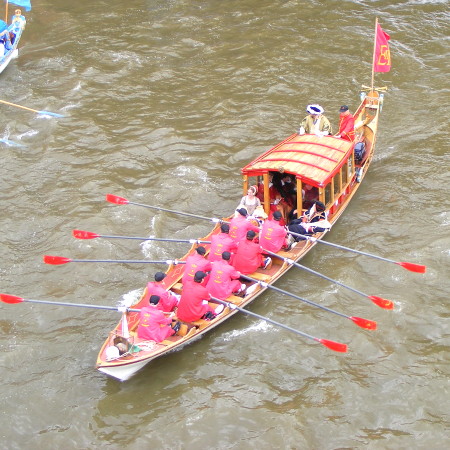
(315,123)
(346,124)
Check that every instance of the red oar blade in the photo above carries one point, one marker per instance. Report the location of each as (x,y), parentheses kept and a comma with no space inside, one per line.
(80,234)
(332,345)
(364,323)
(10,299)
(413,267)
(116,199)
(382,302)
(56,260)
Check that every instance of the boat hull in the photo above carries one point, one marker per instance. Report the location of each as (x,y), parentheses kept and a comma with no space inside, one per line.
(127,365)
(14,51)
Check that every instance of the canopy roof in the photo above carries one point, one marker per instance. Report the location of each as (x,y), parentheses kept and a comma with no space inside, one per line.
(313,159)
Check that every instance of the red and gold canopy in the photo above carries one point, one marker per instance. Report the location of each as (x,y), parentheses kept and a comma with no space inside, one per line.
(315,160)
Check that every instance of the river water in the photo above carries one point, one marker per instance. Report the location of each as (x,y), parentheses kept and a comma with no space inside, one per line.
(164,102)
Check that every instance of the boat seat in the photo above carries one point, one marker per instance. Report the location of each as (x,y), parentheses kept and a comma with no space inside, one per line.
(183,333)
(177,288)
(168,342)
(235,299)
(192,331)
(260,276)
(284,254)
(186,327)
(201,323)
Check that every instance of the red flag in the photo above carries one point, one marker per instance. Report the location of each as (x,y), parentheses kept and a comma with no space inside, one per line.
(382,59)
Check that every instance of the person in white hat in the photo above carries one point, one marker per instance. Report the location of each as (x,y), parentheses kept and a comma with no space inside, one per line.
(315,122)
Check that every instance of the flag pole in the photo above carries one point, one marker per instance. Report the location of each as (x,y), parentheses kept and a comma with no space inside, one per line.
(6,12)
(374,52)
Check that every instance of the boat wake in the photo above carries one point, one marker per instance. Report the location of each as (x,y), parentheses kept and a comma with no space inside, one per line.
(255,328)
(130,298)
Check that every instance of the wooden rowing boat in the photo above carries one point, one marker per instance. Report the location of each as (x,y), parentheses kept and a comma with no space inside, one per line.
(328,163)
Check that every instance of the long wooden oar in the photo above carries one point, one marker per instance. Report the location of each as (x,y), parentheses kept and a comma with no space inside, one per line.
(363,323)
(381,302)
(406,265)
(46,113)
(58,260)
(336,346)
(12,299)
(81,234)
(123,201)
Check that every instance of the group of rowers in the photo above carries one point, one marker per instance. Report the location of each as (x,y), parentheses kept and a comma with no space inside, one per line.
(242,245)
(240,248)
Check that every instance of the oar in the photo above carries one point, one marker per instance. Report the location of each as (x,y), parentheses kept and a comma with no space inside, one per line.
(47,113)
(11,143)
(80,234)
(123,201)
(381,302)
(12,299)
(363,323)
(58,260)
(408,266)
(336,346)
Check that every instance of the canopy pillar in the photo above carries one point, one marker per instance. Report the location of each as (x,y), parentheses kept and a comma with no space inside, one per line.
(245,185)
(266,194)
(299,205)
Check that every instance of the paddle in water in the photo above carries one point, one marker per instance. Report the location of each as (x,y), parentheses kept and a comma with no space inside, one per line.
(46,113)
(12,299)
(80,234)
(336,346)
(418,268)
(408,266)
(332,345)
(59,260)
(123,201)
(363,323)
(381,302)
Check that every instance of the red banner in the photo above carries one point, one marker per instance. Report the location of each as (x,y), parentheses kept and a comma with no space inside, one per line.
(382,59)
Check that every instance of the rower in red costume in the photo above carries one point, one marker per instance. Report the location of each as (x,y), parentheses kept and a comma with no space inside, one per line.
(346,124)
(194,263)
(221,242)
(249,255)
(194,301)
(273,234)
(153,324)
(168,300)
(224,279)
(240,225)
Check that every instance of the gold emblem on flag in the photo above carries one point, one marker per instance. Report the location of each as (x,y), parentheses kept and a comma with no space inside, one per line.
(385,56)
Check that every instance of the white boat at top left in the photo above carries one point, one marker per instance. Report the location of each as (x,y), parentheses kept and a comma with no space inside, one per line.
(10,34)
